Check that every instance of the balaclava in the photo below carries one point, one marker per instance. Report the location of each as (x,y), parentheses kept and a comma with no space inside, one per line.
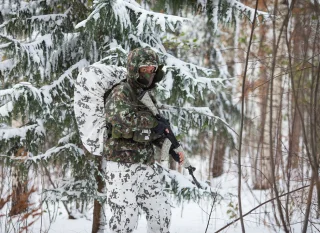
(138,58)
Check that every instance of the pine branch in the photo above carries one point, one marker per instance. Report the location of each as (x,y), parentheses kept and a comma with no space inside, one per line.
(224,11)
(54,186)
(158,19)
(55,151)
(198,115)
(13,138)
(182,186)
(40,99)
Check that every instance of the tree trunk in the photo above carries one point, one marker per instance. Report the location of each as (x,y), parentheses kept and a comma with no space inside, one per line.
(218,157)
(294,140)
(261,174)
(19,187)
(98,222)
(213,146)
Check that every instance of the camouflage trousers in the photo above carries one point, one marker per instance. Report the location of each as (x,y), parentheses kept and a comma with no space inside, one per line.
(131,187)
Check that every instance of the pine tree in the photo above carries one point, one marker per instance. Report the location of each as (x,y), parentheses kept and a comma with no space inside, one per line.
(41,56)
(45,45)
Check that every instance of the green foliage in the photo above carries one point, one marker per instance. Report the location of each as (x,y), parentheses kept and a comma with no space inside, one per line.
(233,210)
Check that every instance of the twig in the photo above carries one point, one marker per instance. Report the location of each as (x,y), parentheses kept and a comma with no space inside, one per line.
(214,201)
(272,199)
(54,186)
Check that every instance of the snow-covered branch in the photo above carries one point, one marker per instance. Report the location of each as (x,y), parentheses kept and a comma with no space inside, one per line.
(44,96)
(183,186)
(231,10)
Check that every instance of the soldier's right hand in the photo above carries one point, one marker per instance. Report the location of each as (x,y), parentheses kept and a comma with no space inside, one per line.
(160,128)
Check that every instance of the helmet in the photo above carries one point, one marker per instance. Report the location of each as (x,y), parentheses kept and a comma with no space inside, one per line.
(141,59)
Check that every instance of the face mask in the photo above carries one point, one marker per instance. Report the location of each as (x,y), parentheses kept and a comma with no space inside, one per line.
(146,75)
(146,79)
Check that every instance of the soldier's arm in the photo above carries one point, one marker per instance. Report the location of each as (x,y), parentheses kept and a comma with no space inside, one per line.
(121,112)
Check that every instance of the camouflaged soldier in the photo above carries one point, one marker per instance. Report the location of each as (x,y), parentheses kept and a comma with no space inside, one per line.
(132,181)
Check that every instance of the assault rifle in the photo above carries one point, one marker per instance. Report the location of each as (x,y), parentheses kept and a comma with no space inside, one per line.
(171,140)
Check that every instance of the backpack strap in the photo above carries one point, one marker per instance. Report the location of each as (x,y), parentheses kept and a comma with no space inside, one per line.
(133,96)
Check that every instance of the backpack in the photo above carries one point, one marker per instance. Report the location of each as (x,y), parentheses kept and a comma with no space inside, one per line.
(94,83)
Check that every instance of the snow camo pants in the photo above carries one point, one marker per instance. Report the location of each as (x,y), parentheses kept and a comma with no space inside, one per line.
(133,186)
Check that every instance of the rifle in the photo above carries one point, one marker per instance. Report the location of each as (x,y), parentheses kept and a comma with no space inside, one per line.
(171,139)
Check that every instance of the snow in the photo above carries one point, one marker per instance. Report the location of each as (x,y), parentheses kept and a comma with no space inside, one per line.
(9,133)
(190,77)
(6,65)
(315,2)
(187,217)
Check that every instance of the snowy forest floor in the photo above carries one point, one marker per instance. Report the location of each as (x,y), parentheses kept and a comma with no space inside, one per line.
(187,217)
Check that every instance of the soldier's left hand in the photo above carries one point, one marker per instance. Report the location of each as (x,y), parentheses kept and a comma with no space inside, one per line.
(181,157)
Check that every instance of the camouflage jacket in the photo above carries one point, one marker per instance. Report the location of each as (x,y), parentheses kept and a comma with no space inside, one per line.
(131,136)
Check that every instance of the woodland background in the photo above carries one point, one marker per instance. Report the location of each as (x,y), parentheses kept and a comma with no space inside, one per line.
(241,90)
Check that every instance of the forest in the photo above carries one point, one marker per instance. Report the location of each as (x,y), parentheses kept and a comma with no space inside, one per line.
(241,92)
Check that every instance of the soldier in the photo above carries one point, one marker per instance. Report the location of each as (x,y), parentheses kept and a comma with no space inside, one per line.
(132,180)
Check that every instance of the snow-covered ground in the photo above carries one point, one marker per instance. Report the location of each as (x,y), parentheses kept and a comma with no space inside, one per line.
(186,217)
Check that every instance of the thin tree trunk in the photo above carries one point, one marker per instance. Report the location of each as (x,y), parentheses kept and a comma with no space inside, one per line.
(242,119)
(211,156)
(261,165)
(218,157)
(309,201)
(294,141)
(98,210)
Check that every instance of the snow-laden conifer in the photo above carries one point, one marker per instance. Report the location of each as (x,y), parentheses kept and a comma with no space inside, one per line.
(45,44)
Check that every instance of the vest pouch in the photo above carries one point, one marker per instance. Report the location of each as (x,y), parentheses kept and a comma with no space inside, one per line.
(127,135)
(143,135)
(116,133)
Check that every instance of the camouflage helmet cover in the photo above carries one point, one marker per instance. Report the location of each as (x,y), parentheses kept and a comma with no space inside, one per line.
(140,57)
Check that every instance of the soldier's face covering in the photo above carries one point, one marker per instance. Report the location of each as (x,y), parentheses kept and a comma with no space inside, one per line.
(146,75)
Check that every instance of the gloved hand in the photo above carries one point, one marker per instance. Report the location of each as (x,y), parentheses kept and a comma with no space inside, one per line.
(163,120)
(160,128)
(174,154)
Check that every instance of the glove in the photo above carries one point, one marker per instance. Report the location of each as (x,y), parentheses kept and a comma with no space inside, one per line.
(174,154)
(160,128)
(158,77)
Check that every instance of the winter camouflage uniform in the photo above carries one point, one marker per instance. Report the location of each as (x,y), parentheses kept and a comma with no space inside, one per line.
(131,181)
(134,186)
